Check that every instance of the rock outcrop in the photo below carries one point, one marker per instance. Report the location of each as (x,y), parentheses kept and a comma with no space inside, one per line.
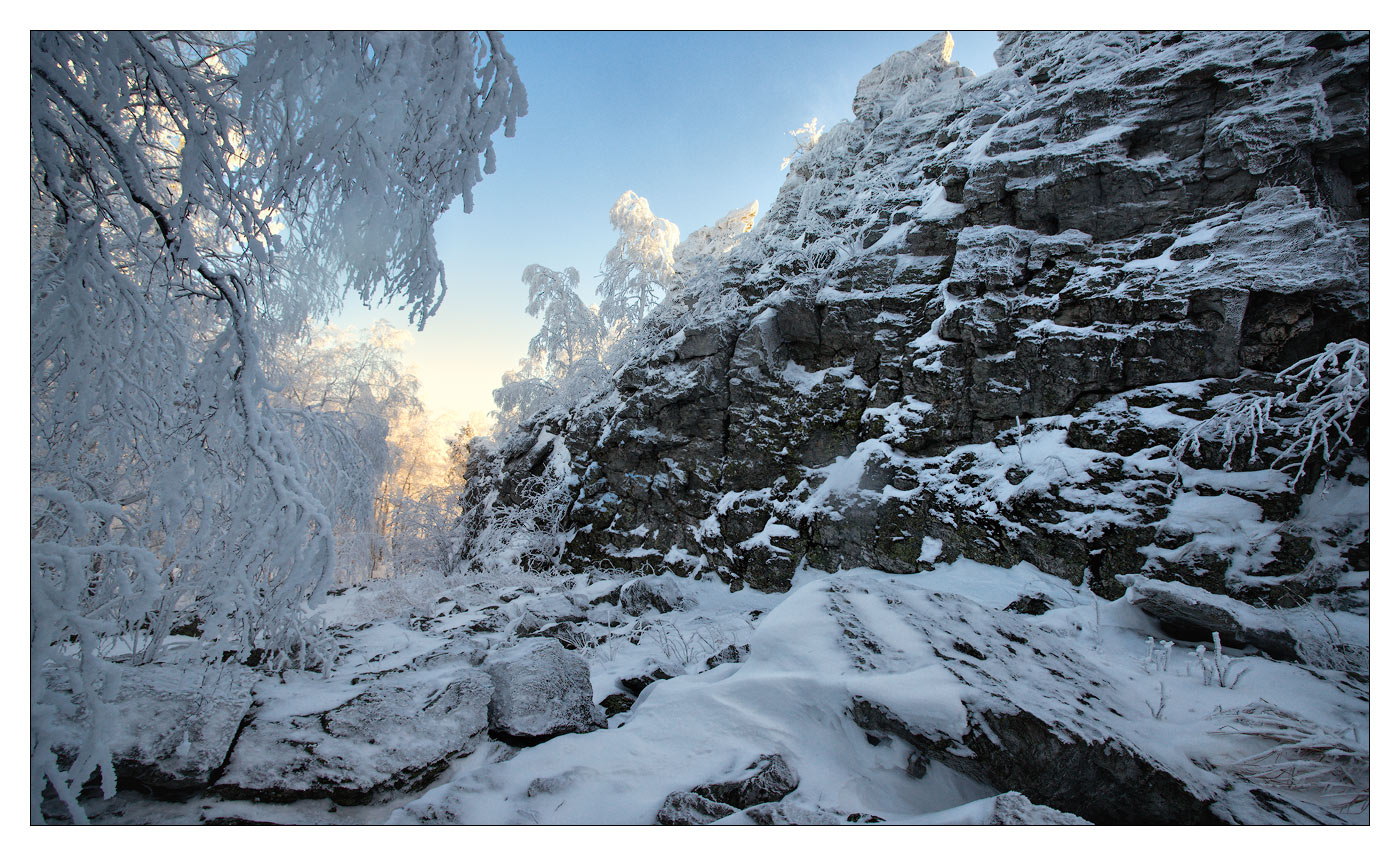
(1036,279)
(1006,702)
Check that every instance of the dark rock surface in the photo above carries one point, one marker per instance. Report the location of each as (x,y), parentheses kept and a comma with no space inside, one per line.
(636,683)
(640,595)
(727,654)
(685,808)
(766,780)
(1193,614)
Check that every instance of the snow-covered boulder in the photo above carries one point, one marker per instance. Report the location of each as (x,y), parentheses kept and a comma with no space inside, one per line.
(1308,634)
(686,808)
(1192,613)
(646,593)
(349,741)
(541,691)
(173,725)
(1017,706)
(1008,809)
(766,780)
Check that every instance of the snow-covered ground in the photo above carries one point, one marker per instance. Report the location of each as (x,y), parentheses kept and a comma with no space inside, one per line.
(811,651)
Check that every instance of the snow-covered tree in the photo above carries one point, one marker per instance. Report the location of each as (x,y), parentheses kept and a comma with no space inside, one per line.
(804,140)
(416,503)
(570,330)
(640,268)
(196,198)
(712,243)
(522,392)
(351,395)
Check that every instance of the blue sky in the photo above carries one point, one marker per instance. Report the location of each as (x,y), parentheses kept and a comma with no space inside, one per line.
(695,122)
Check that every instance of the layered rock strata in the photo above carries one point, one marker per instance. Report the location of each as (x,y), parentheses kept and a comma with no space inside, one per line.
(978,318)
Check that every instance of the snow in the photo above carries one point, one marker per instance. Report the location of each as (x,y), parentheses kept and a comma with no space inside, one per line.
(842,476)
(788,697)
(805,382)
(764,538)
(937,207)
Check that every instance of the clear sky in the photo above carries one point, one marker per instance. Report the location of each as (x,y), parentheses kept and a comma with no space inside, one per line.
(696,122)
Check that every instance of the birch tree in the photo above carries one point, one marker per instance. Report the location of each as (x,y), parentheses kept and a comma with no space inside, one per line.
(640,268)
(570,331)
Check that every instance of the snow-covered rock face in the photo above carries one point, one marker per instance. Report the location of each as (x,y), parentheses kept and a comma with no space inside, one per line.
(541,691)
(978,262)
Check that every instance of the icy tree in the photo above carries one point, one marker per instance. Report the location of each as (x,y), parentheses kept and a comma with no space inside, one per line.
(804,139)
(570,330)
(640,268)
(709,244)
(194,198)
(522,392)
(416,502)
(1313,416)
(351,398)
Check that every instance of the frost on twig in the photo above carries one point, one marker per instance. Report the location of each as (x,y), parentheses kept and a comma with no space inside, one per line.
(1300,755)
(1161,701)
(1312,417)
(1220,668)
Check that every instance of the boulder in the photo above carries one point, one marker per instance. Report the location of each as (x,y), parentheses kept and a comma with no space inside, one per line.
(766,780)
(395,732)
(646,593)
(686,808)
(1193,614)
(637,683)
(727,654)
(1013,809)
(617,703)
(173,725)
(1029,604)
(1008,809)
(540,691)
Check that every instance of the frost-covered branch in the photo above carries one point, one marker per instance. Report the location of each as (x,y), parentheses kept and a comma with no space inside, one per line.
(196,198)
(1312,417)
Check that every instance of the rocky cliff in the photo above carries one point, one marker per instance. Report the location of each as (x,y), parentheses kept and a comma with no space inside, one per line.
(979,320)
